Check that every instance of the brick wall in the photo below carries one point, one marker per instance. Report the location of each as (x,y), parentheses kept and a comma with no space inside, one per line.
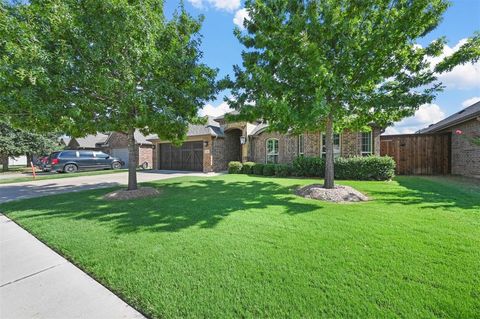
(145,154)
(465,155)
(288,145)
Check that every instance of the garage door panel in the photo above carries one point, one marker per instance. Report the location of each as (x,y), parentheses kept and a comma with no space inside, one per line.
(188,157)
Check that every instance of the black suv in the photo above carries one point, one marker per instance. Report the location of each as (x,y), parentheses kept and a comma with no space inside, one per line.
(70,161)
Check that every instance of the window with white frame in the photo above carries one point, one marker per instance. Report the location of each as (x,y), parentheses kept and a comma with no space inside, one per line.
(336,145)
(301,145)
(366,143)
(272,151)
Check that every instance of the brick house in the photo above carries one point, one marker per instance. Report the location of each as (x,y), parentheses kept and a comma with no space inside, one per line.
(465,155)
(211,146)
(115,144)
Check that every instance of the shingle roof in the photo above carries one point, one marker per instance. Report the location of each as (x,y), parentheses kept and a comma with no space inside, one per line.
(466,114)
(211,127)
(91,141)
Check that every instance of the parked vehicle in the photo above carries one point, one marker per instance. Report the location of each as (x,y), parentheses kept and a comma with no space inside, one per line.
(70,161)
(42,163)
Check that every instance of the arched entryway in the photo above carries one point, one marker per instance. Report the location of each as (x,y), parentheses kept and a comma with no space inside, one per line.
(233,147)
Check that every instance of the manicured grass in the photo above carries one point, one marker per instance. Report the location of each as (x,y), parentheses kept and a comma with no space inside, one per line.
(29,178)
(241,246)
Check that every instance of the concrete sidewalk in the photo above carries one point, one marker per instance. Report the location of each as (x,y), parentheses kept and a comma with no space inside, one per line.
(36,282)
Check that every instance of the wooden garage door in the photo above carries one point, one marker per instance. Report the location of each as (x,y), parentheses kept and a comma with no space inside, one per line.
(188,157)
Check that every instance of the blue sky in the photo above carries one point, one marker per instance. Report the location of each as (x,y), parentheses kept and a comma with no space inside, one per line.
(222,50)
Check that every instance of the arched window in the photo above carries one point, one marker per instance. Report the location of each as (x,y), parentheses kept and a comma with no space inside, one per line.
(272,151)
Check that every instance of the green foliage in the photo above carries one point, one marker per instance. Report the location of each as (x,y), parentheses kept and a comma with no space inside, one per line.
(269,170)
(378,168)
(111,65)
(234,167)
(283,170)
(352,168)
(16,142)
(309,166)
(248,167)
(258,169)
(308,65)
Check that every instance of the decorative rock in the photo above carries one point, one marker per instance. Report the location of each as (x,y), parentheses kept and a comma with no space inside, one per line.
(338,194)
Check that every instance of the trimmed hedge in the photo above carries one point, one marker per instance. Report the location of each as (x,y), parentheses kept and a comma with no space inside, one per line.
(283,170)
(354,168)
(309,166)
(269,170)
(248,167)
(378,168)
(234,167)
(258,169)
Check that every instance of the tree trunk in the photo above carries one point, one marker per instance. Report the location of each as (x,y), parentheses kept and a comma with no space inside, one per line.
(29,159)
(329,173)
(132,160)
(4,163)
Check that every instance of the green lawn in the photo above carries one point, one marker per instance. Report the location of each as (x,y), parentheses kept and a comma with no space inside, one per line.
(43,176)
(240,246)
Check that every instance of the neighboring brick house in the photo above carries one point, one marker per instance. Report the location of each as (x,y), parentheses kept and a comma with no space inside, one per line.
(115,144)
(211,146)
(465,155)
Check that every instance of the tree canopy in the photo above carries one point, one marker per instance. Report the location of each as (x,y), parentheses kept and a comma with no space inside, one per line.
(111,65)
(332,65)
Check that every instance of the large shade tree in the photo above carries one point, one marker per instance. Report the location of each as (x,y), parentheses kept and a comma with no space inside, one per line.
(331,65)
(111,65)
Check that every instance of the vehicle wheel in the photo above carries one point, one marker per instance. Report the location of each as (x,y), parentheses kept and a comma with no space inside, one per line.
(70,168)
(116,165)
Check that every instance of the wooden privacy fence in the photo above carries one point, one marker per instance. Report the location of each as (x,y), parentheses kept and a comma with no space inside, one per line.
(418,154)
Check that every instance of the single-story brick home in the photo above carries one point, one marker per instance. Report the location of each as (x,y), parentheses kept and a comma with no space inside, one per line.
(463,125)
(211,146)
(115,144)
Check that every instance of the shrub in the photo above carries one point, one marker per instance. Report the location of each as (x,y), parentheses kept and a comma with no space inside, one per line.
(234,167)
(258,169)
(365,168)
(248,167)
(283,170)
(269,169)
(309,166)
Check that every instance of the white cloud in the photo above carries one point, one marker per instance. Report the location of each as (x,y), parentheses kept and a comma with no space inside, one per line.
(240,16)
(212,110)
(427,114)
(471,101)
(227,5)
(465,76)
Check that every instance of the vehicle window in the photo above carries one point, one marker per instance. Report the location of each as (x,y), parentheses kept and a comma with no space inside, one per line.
(86,154)
(68,154)
(101,155)
(53,155)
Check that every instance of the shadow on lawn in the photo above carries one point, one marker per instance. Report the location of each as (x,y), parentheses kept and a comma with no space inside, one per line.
(432,192)
(202,203)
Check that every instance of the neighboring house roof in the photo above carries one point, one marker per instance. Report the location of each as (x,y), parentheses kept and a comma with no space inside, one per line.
(65,140)
(91,140)
(211,127)
(221,117)
(464,115)
(139,138)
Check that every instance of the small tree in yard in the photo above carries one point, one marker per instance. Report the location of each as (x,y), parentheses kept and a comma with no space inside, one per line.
(111,65)
(332,65)
(16,142)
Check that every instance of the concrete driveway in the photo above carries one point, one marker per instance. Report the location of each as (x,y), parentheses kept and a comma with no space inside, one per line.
(15,191)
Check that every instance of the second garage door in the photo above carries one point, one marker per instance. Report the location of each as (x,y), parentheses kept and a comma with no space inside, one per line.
(188,157)
(121,153)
